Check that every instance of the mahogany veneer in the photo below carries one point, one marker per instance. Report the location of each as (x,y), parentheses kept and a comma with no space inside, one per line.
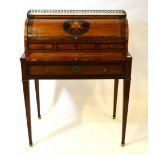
(76,44)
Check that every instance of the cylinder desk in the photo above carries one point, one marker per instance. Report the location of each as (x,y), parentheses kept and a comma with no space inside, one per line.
(76,44)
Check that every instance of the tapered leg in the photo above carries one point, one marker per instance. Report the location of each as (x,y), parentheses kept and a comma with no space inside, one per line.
(37,97)
(27,108)
(115,97)
(126,91)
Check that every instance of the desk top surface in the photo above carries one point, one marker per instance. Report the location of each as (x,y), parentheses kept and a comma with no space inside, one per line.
(75,57)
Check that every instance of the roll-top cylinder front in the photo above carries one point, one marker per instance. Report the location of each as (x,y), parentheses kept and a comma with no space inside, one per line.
(58,32)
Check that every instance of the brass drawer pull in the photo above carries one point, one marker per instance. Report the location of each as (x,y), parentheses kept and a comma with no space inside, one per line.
(76,58)
(76,68)
(111,45)
(48,70)
(104,70)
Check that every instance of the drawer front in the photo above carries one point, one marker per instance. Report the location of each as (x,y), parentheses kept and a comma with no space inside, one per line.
(75,46)
(47,70)
(111,46)
(41,46)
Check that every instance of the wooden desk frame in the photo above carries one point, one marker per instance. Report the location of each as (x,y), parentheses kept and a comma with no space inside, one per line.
(126,89)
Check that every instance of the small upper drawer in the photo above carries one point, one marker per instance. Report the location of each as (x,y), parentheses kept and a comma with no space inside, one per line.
(66,46)
(41,46)
(111,46)
(80,46)
(87,46)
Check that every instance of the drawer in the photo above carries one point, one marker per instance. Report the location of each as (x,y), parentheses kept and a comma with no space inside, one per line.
(111,46)
(75,46)
(45,70)
(41,46)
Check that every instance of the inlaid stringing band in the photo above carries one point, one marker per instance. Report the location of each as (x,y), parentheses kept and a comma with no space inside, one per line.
(76,12)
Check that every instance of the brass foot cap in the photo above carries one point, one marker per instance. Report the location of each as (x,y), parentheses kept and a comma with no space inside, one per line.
(114,117)
(30,145)
(122,144)
(39,117)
